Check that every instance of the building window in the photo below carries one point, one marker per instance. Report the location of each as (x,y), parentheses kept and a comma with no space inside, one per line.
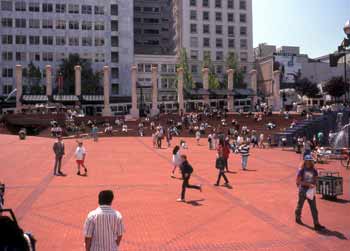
(86,9)
(244,44)
(193,2)
(219,43)
(6,89)
(206,42)
(60,41)
(193,28)
(73,41)
(47,24)
(206,15)
(21,56)
(60,8)
(99,57)
(231,31)
(115,41)
(114,25)
(115,57)
(47,7)
(99,10)
(205,3)
(61,24)
(7,72)
(218,29)
(206,28)
(20,6)
(206,54)
(193,15)
(47,40)
(230,17)
(231,43)
(21,39)
(34,7)
(242,18)
(86,41)
(219,69)
(242,5)
(6,39)
(74,25)
(99,26)
(21,23)
(34,40)
(34,56)
(48,56)
(244,57)
(147,68)
(115,72)
(218,4)
(6,22)
(73,8)
(99,41)
(194,69)
(115,89)
(219,55)
(230,4)
(34,23)
(194,42)
(114,10)
(7,56)
(86,25)
(218,16)
(194,54)
(243,31)
(6,5)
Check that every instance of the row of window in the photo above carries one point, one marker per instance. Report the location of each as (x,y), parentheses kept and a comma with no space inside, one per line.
(219,69)
(151,20)
(219,4)
(164,68)
(219,55)
(58,24)
(219,30)
(218,16)
(59,40)
(58,8)
(219,43)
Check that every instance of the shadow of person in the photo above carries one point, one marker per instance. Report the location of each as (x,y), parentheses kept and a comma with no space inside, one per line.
(195,203)
(328,232)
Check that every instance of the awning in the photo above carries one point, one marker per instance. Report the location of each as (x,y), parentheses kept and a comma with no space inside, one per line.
(35,98)
(67,98)
(244,92)
(93,98)
(222,92)
(197,91)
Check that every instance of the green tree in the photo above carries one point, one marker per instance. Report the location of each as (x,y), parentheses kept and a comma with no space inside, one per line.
(214,82)
(90,80)
(188,80)
(304,87)
(238,79)
(32,76)
(336,87)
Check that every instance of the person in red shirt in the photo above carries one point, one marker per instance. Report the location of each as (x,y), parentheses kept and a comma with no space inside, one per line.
(224,149)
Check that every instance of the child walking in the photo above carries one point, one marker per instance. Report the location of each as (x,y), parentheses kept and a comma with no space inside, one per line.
(80,154)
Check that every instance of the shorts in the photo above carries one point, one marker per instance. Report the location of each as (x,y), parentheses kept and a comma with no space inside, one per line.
(80,162)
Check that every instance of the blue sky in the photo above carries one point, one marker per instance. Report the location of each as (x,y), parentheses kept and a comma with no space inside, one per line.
(314,25)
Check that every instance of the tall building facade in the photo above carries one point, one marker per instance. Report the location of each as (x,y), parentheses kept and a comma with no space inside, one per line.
(46,31)
(214,28)
(153,27)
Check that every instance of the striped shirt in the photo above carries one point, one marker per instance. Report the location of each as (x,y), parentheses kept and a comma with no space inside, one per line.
(244,150)
(104,225)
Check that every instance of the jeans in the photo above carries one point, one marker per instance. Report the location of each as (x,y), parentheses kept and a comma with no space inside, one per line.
(244,162)
(222,174)
(57,166)
(312,204)
(185,184)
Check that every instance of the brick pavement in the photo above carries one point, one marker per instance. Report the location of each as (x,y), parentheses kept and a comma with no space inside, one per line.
(257,214)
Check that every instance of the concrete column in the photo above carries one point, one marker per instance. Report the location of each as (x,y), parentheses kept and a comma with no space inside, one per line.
(254,86)
(48,69)
(205,72)
(106,112)
(180,89)
(154,110)
(276,91)
(18,78)
(134,112)
(77,70)
(230,98)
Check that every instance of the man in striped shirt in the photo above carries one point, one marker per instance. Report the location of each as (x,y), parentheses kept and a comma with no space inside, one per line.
(103,228)
(244,150)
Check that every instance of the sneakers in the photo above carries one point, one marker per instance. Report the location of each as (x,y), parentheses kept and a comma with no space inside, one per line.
(298,221)
(78,173)
(319,227)
(216,184)
(180,200)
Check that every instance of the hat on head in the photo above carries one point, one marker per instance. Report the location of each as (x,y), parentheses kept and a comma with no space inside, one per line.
(308,157)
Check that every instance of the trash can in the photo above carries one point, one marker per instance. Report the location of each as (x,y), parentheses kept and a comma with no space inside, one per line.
(329,184)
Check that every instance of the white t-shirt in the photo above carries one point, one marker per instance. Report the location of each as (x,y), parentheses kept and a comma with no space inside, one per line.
(80,152)
(177,160)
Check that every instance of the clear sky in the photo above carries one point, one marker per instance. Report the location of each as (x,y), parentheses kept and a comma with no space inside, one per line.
(314,25)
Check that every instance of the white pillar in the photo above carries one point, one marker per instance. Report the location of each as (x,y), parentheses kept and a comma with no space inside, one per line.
(48,69)
(180,90)
(254,85)
(154,110)
(134,112)
(18,78)
(230,98)
(276,91)
(106,112)
(205,72)
(77,70)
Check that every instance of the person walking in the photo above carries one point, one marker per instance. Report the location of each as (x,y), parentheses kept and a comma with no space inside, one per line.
(306,182)
(224,149)
(198,136)
(103,227)
(244,150)
(221,165)
(177,160)
(80,154)
(94,132)
(186,170)
(58,149)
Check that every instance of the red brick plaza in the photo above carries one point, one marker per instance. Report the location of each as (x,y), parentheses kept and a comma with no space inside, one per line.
(257,214)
